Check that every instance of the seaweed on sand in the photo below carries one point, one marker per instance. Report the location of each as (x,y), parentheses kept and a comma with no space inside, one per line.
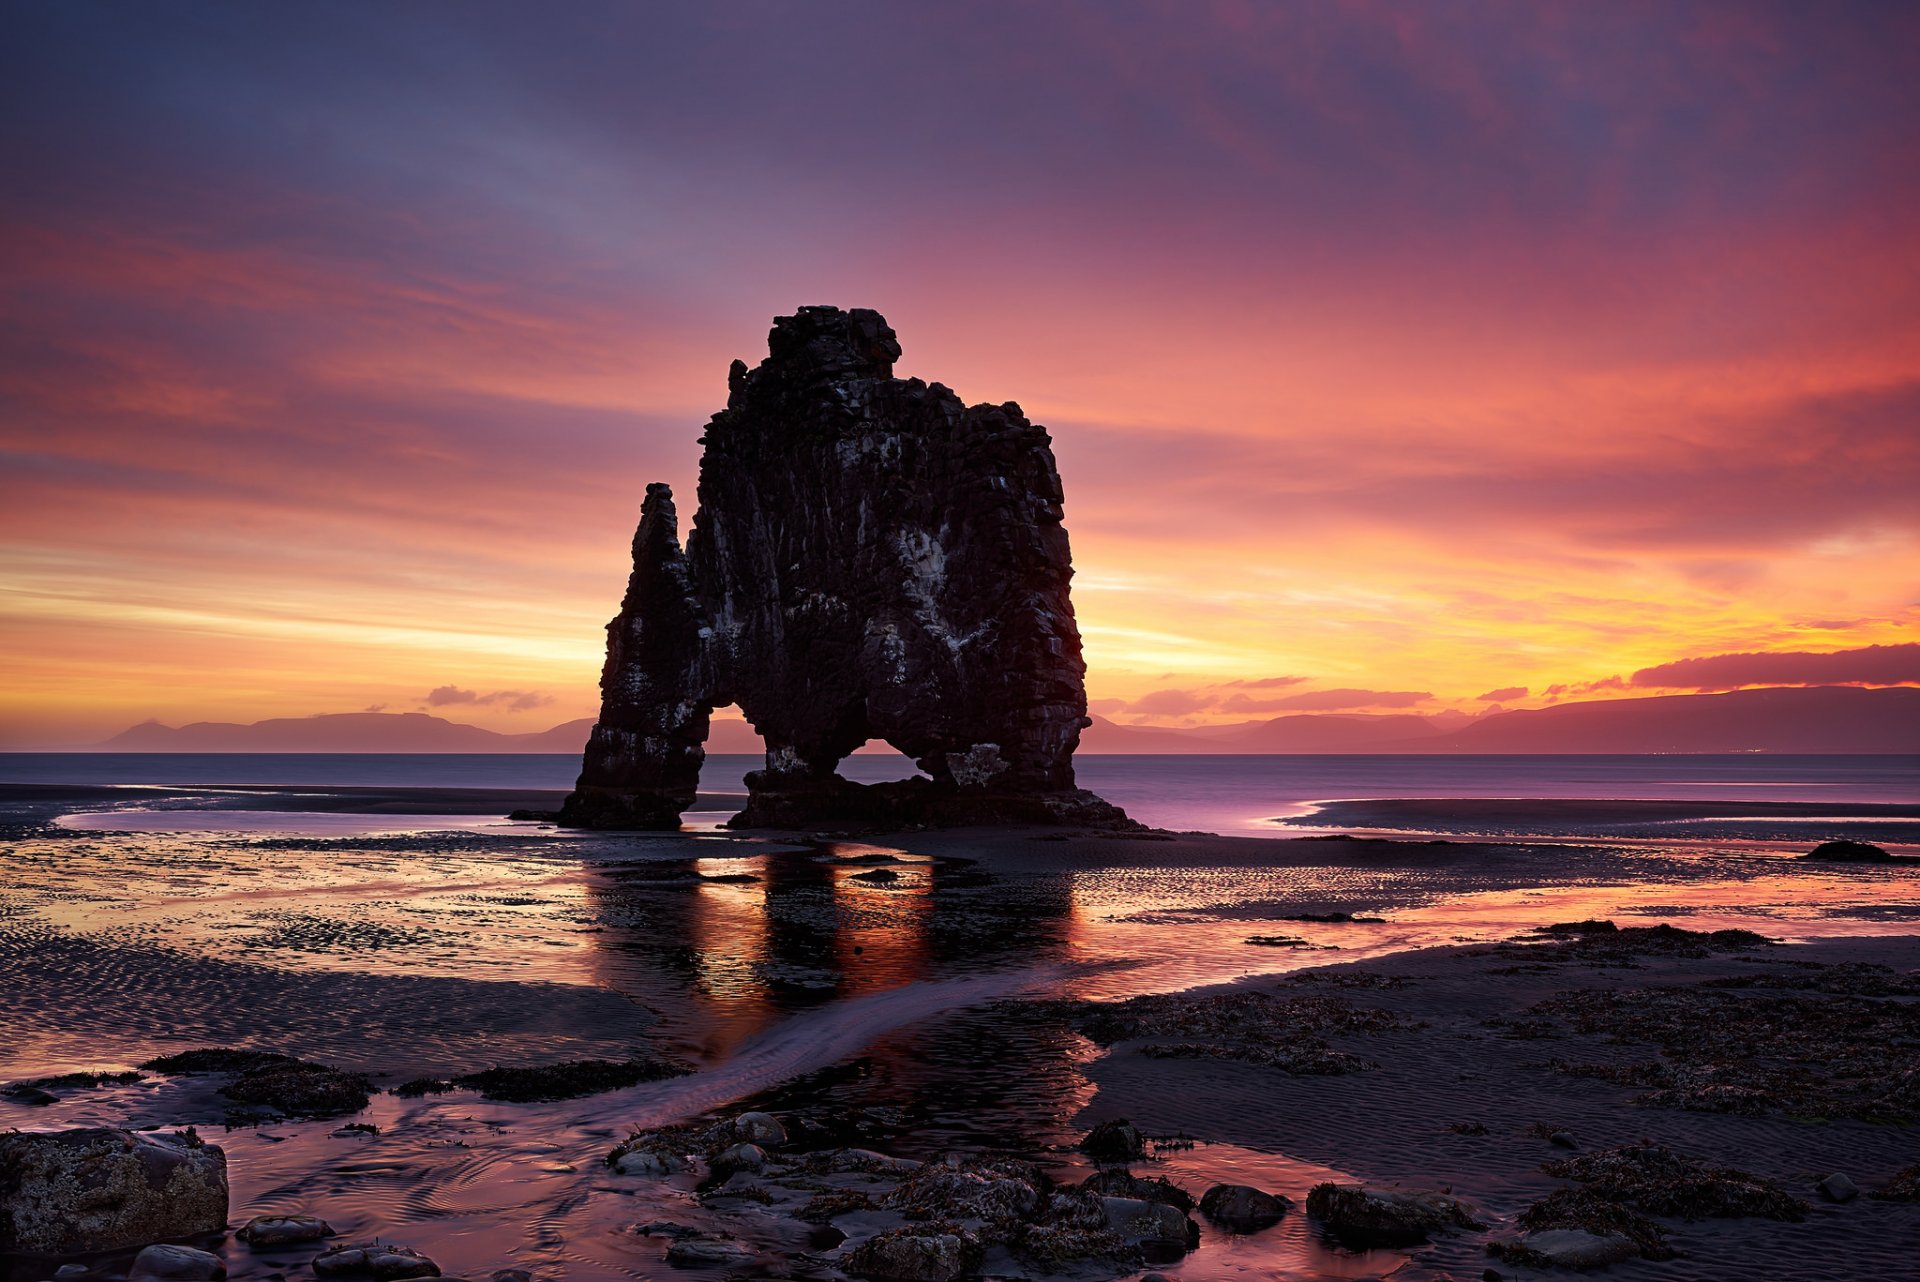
(567,1080)
(1657,1181)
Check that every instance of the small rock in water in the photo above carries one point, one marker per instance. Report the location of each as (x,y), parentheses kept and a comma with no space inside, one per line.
(72,1271)
(706,1253)
(163,1263)
(666,1228)
(1115,1141)
(1365,1217)
(284,1230)
(740,1157)
(914,1255)
(104,1189)
(1241,1208)
(1118,1182)
(378,1260)
(1849,852)
(354,1129)
(1579,1249)
(760,1128)
(1563,1139)
(509,1275)
(645,1162)
(1160,1231)
(1838,1188)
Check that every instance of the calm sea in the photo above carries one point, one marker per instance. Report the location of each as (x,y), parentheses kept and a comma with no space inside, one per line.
(1218,794)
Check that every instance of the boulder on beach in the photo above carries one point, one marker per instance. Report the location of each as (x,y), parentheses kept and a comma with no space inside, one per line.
(738,1157)
(1116,1181)
(284,1230)
(914,1255)
(1363,1217)
(705,1251)
(763,1129)
(1838,1188)
(1115,1141)
(381,1261)
(1241,1208)
(104,1189)
(1850,852)
(165,1263)
(1577,1248)
(1161,1232)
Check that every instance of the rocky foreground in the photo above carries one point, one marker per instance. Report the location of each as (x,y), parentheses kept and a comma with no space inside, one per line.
(1651,1099)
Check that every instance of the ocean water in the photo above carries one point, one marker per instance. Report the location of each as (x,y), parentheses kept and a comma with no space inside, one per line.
(1224,794)
(407,945)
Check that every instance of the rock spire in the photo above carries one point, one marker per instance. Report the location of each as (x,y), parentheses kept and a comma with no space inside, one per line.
(872,559)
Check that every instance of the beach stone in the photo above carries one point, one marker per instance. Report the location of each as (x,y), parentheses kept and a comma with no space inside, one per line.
(1563,1139)
(165,1263)
(666,1228)
(647,1162)
(707,1253)
(379,1260)
(1838,1188)
(103,1189)
(1242,1208)
(1579,1249)
(872,560)
(1148,1224)
(72,1271)
(1849,852)
(1115,1181)
(863,1161)
(1115,1141)
(1364,1217)
(740,1157)
(509,1275)
(914,1255)
(760,1128)
(284,1230)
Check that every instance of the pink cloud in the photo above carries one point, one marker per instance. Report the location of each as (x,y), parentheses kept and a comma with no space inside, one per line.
(1881,665)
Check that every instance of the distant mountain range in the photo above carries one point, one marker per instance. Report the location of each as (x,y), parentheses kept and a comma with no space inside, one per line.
(1787,719)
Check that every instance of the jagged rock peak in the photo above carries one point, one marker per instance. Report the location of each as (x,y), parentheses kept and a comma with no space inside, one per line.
(871,559)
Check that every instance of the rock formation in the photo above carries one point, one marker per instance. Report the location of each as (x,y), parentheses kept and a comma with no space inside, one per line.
(106,1189)
(872,559)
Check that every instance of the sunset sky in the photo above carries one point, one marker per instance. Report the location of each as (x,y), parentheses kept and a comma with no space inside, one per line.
(1397,356)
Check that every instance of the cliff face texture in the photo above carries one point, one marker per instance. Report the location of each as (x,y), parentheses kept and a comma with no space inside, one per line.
(872,559)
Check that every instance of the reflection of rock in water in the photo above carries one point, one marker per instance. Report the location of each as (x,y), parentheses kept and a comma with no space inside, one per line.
(872,559)
(802,929)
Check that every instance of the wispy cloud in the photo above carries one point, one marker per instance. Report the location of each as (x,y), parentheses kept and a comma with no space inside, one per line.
(512,700)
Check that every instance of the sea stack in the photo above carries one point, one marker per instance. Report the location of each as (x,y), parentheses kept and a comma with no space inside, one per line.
(872,559)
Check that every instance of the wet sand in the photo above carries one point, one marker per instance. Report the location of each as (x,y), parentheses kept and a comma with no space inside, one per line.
(787,981)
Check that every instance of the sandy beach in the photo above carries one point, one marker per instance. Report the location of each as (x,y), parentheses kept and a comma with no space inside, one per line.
(854,987)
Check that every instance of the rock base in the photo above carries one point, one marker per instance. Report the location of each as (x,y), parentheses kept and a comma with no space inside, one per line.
(841,804)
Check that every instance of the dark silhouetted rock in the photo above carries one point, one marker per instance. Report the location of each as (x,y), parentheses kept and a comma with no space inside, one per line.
(380,1261)
(914,1255)
(1851,852)
(284,1230)
(1362,1217)
(1241,1208)
(872,559)
(104,1189)
(164,1263)
(1115,1141)
(1838,1188)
